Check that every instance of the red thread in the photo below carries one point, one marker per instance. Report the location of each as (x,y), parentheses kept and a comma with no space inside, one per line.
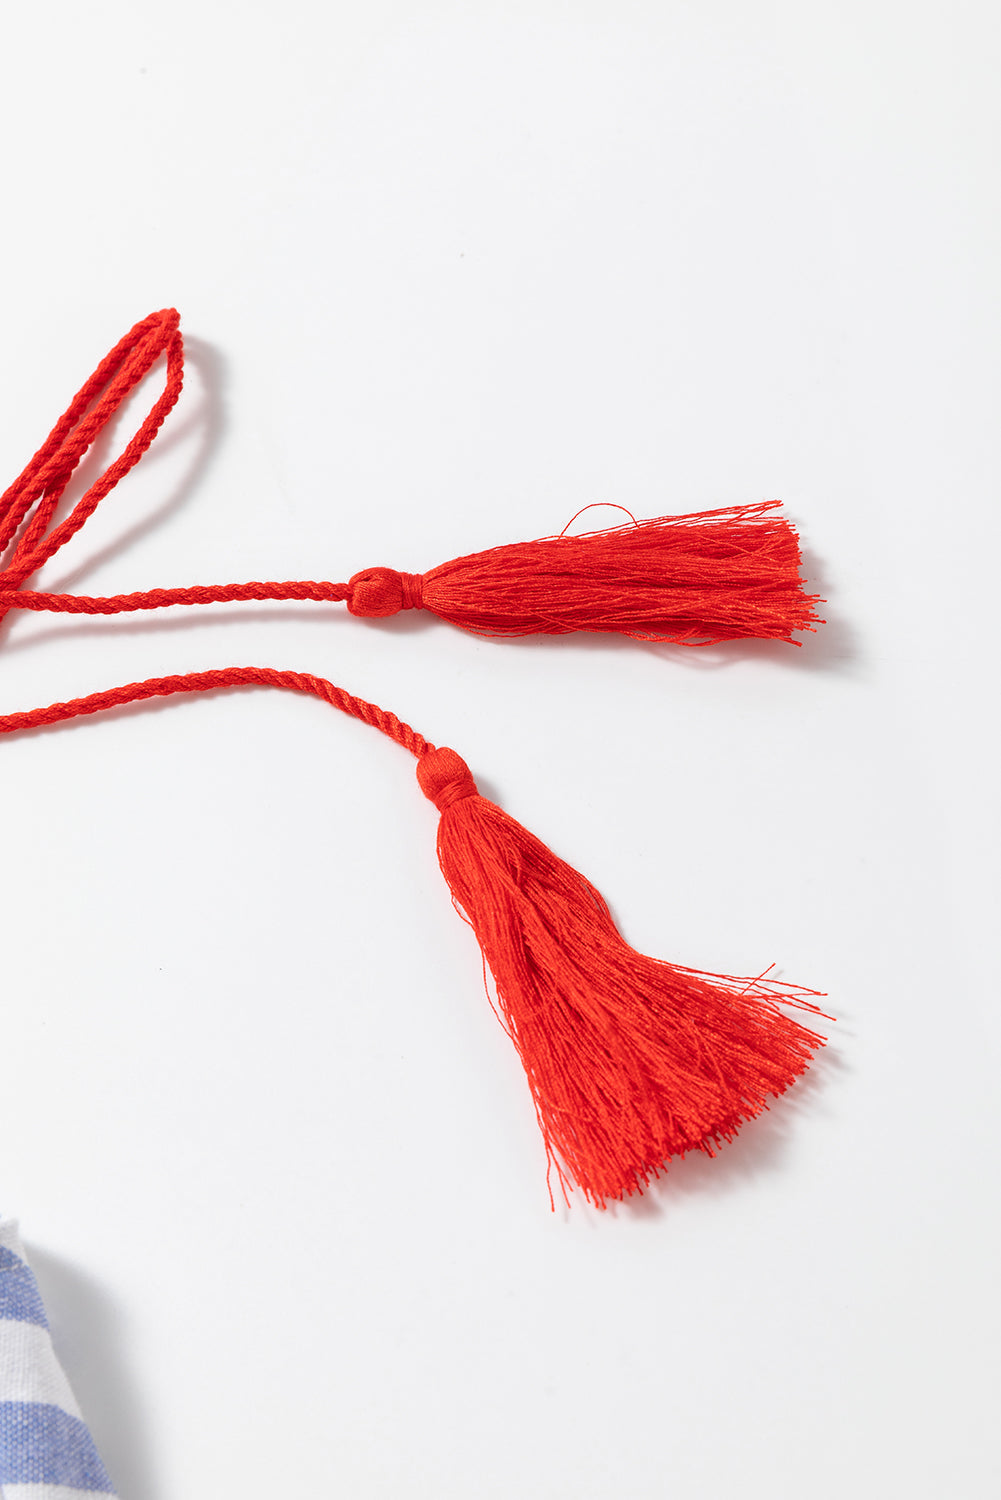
(599,505)
(694,579)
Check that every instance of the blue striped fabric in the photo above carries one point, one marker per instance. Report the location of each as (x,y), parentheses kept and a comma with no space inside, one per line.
(46,1451)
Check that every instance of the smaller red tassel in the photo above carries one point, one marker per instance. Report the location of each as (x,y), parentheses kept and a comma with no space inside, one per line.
(630,1060)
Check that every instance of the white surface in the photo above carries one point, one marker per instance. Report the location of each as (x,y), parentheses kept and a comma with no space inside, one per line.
(449,272)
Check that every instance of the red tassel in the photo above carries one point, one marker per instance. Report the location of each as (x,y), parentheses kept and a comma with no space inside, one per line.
(720,575)
(630,1060)
(716,576)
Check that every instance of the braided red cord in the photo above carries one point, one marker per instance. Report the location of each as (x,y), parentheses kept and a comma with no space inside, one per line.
(223,677)
(44,481)
(214,593)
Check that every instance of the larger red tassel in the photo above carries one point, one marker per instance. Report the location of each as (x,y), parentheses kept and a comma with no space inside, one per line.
(718,575)
(630,1060)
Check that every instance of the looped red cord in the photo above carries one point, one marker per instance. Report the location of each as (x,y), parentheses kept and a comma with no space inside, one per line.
(381,591)
(376,592)
(44,481)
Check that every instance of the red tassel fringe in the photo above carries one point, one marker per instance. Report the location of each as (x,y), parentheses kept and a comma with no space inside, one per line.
(630,1060)
(719,575)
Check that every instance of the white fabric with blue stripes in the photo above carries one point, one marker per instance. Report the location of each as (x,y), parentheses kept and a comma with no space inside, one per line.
(46,1451)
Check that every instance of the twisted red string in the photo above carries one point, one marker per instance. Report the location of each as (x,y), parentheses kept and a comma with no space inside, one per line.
(218,593)
(222,677)
(44,481)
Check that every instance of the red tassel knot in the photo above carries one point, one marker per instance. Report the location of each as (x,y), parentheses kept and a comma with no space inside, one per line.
(444,777)
(413,590)
(378,592)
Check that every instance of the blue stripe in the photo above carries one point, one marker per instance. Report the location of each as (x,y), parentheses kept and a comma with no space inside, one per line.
(44,1445)
(19,1296)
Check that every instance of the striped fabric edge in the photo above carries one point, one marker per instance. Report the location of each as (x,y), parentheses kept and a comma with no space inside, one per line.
(41,1492)
(46,1450)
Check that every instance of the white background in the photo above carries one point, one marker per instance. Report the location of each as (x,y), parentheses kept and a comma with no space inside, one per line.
(449,272)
